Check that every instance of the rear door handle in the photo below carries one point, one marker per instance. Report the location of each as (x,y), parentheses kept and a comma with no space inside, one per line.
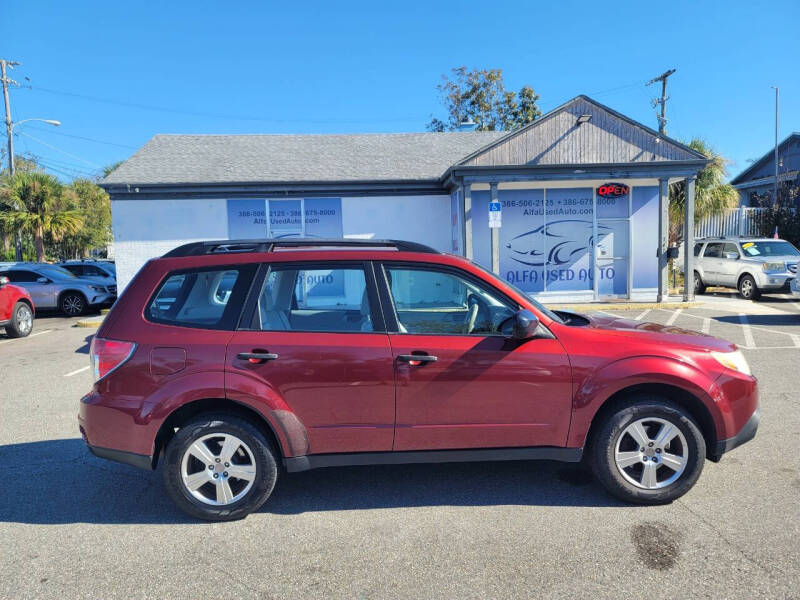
(256,357)
(416,359)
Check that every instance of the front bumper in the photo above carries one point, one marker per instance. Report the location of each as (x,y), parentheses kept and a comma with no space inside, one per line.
(774,281)
(99,298)
(747,433)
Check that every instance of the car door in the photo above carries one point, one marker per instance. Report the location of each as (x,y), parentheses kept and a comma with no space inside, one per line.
(461,383)
(711,263)
(728,265)
(325,355)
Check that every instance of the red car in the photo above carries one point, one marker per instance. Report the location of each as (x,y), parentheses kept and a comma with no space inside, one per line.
(225,361)
(16,309)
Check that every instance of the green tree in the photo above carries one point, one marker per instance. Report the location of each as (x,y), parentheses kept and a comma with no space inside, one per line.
(479,95)
(108,169)
(711,196)
(94,206)
(33,203)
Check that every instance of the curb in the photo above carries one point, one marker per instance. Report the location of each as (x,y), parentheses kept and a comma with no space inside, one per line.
(622,306)
(93,322)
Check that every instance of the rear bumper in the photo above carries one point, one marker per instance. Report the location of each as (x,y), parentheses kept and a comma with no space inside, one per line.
(747,433)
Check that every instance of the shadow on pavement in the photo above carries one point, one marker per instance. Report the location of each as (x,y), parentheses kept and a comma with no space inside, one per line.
(85,348)
(784,320)
(63,483)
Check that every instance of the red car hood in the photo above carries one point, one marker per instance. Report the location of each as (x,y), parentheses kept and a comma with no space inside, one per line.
(659,334)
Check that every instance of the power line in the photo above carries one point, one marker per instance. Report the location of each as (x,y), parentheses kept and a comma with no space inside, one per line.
(80,137)
(91,164)
(211,115)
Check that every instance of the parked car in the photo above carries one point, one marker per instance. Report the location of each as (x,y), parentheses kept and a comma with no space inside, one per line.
(751,265)
(52,287)
(16,309)
(223,360)
(103,272)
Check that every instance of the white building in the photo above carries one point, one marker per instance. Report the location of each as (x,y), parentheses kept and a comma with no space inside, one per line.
(582,192)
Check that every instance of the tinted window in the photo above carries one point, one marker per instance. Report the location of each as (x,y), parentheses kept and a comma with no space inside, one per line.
(713,251)
(204,298)
(93,271)
(434,301)
(314,299)
(17,276)
(54,272)
(697,249)
(74,269)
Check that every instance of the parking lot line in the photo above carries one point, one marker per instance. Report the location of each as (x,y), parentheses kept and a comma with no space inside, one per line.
(748,334)
(30,336)
(75,372)
(706,325)
(642,315)
(674,317)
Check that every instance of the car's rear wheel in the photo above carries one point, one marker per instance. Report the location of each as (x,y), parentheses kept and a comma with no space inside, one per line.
(73,304)
(219,468)
(748,288)
(699,286)
(649,451)
(21,322)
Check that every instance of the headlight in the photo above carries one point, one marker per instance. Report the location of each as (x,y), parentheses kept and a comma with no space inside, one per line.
(97,288)
(733,360)
(773,267)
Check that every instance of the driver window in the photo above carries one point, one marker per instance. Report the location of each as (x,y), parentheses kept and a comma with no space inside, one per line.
(439,302)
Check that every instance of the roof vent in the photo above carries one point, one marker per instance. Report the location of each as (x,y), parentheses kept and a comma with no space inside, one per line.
(468,125)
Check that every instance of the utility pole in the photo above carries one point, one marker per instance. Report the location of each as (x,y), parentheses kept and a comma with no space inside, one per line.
(4,64)
(775,199)
(662,119)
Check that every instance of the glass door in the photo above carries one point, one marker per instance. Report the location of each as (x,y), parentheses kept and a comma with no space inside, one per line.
(612,258)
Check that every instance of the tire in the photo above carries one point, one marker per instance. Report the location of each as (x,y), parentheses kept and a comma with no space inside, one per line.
(72,304)
(21,323)
(631,483)
(699,286)
(748,288)
(252,453)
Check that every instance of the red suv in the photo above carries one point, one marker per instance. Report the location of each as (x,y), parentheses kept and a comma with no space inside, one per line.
(228,360)
(16,309)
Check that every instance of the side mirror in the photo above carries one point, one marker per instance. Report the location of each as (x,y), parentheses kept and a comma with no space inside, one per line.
(525,324)
(42,280)
(4,280)
(731,255)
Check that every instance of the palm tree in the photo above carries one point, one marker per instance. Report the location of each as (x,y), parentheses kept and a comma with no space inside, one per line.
(711,194)
(33,203)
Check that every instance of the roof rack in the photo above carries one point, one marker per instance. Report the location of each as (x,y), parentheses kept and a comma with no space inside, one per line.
(270,245)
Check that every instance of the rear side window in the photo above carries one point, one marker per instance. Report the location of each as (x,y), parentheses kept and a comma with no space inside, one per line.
(210,298)
(697,249)
(713,251)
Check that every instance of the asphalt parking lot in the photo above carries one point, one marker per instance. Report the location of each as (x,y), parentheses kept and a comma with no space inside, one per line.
(74,526)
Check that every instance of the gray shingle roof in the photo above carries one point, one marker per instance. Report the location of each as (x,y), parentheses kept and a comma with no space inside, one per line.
(189,159)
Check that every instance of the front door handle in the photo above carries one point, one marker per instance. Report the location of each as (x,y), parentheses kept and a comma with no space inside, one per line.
(256,357)
(416,359)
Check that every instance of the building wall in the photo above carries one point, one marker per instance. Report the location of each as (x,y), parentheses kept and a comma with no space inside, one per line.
(145,229)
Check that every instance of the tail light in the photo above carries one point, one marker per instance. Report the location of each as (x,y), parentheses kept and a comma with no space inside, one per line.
(108,355)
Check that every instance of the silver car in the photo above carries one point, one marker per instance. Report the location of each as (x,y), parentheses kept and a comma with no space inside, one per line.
(56,288)
(102,272)
(751,265)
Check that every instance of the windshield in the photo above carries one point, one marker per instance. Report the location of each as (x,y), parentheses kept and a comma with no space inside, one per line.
(776,248)
(54,272)
(540,307)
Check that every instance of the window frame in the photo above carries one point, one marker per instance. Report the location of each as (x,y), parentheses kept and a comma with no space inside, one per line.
(231,314)
(387,299)
(247,320)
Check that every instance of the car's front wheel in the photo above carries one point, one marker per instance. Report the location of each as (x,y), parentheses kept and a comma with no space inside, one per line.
(219,468)
(21,322)
(649,451)
(699,286)
(748,288)
(73,304)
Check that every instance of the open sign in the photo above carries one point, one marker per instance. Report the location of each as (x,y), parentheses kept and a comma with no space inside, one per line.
(613,190)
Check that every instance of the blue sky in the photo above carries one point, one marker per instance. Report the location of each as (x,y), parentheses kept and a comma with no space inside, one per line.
(327,67)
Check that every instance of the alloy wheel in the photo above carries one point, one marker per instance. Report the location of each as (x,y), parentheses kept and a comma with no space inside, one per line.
(218,469)
(651,453)
(746,288)
(73,305)
(24,319)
